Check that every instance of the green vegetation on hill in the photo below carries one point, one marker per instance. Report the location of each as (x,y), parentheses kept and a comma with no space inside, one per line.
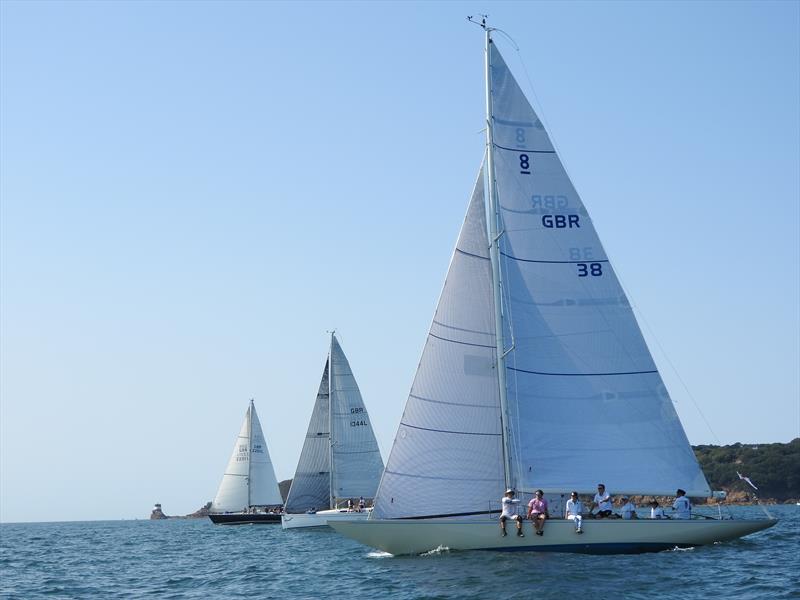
(774,468)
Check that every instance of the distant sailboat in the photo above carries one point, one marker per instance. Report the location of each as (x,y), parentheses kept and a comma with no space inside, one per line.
(534,373)
(340,460)
(249,490)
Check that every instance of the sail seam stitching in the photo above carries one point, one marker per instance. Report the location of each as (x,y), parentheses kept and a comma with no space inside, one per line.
(561,262)
(457,342)
(412,476)
(453,432)
(491,406)
(582,374)
(524,150)
(471,254)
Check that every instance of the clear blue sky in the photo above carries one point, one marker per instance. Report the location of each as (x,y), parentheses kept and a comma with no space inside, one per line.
(193,193)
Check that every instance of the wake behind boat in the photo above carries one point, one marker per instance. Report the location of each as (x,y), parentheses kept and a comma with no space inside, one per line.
(534,374)
(340,460)
(249,492)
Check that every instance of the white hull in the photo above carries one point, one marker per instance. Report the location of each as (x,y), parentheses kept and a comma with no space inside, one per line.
(321,518)
(417,536)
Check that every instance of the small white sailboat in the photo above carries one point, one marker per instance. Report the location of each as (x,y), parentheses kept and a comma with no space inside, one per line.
(249,492)
(534,373)
(340,460)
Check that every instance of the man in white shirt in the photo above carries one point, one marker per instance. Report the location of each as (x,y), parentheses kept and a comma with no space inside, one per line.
(574,510)
(628,510)
(682,506)
(602,501)
(510,512)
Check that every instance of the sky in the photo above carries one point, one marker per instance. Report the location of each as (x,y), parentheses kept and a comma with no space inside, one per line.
(193,194)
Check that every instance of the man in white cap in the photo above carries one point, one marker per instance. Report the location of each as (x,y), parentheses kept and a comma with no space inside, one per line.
(510,512)
(628,510)
(601,502)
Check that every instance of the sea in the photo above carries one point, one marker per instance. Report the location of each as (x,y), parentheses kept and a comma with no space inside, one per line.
(196,559)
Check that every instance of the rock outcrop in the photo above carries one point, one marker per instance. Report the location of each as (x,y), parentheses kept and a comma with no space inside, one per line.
(200,513)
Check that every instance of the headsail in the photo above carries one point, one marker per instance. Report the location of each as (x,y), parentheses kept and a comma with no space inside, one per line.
(586,401)
(357,462)
(311,483)
(447,456)
(249,479)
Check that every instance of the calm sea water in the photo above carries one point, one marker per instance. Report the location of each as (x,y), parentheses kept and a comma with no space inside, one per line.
(195,559)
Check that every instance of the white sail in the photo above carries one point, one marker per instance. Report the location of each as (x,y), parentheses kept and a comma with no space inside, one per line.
(357,463)
(311,484)
(447,456)
(585,400)
(340,456)
(264,489)
(249,479)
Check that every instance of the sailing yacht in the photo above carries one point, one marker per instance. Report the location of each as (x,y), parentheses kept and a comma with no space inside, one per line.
(248,493)
(340,460)
(534,374)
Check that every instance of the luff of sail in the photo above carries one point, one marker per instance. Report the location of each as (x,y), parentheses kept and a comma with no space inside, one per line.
(249,478)
(447,456)
(311,483)
(586,402)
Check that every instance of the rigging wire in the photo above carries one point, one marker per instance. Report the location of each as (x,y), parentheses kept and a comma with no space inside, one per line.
(667,358)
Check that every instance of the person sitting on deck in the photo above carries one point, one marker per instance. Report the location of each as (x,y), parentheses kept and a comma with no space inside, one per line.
(601,501)
(349,505)
(682,506)
(628,509)
(509,512)
(656,512)
(361,504)
(537,512)
(574,510)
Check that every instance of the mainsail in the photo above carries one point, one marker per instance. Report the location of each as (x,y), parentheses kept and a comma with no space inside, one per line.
(249,479)
(584,401)
(340,456)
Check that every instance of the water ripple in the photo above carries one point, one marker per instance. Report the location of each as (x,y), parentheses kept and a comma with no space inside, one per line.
(194,559)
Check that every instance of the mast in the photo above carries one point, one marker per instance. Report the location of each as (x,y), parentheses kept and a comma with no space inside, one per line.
(494,255)
(249,452)
(330,423)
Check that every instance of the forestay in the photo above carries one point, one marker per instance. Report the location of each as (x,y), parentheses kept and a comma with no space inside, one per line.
(447,456)
(311,484)
(357,463)
(585,400)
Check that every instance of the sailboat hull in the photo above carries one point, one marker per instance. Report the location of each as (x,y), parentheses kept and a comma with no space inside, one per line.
(245,519)
(417,536)
(321,518)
